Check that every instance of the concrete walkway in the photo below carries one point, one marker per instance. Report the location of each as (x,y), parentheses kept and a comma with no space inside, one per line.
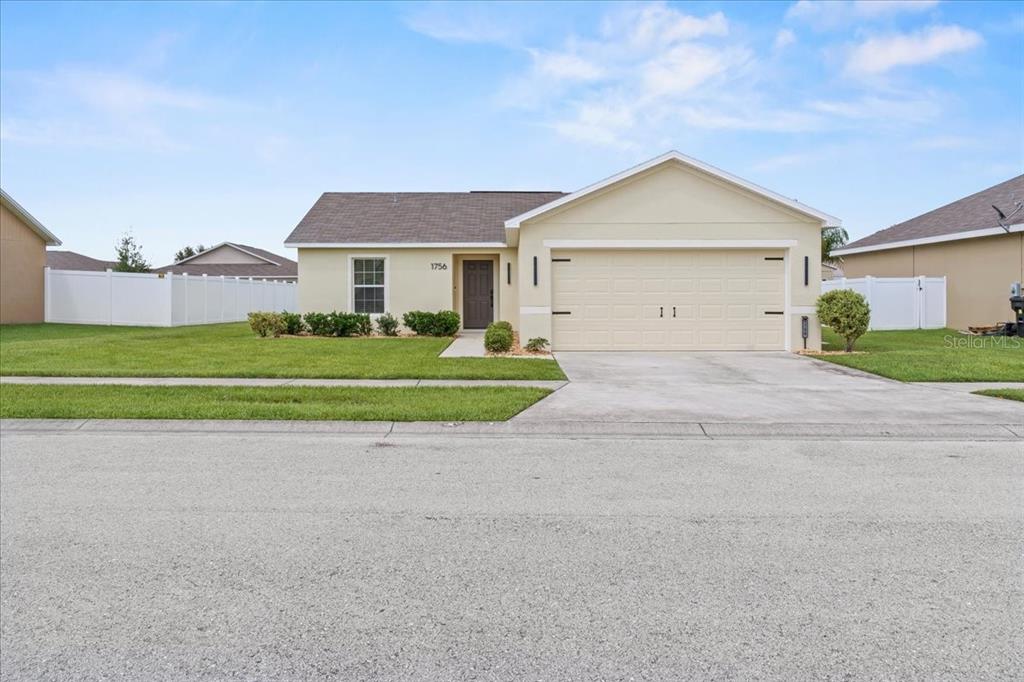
(468,344)
(215,381)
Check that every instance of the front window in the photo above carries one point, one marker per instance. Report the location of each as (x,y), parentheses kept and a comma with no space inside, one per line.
(368,283)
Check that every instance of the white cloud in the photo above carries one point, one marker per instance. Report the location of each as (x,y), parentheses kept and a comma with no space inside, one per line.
(783,39)
(884,111)
(123,94)
(945,142)
(96,108)
(830,14)
(462,23)
(682,68)
(880,54)
(656,25)
(565,66)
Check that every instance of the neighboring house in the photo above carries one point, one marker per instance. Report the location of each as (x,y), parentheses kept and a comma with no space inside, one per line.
(963,241)
(69,260)
(236,260)
(23,242)
(672,254)
(829,271)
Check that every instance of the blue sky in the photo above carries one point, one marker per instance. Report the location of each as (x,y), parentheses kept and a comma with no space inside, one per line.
(209,122)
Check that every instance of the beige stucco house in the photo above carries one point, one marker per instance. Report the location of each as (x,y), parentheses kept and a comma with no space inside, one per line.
(672,254)
(230,259)
(23,242)
(963,241)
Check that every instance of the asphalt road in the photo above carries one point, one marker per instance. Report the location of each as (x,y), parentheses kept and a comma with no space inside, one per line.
(297,556)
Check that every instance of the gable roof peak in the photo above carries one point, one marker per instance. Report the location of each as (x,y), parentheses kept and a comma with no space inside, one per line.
(674,155)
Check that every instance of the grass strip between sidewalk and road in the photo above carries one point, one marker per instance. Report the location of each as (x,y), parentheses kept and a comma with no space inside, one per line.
(931,355)
(232,350)
(1007,393)
(475,403)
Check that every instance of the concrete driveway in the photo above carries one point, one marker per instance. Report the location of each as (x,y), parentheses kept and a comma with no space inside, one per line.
(751,388)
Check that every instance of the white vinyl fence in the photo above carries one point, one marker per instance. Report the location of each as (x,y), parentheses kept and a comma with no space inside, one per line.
(157,300)
(899,302)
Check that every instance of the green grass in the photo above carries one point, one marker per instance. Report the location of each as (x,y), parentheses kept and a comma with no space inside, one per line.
(232,350)
(933,355)
(477,403)
(1008,393)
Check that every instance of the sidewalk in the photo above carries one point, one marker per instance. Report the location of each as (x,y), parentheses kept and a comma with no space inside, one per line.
(215,381)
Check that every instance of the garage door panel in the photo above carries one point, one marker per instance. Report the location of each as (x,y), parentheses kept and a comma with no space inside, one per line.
(672,300)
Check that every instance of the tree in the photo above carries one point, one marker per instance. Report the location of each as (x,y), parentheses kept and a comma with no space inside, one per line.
(129,255)
(188,252)
(832,238)
(845,312)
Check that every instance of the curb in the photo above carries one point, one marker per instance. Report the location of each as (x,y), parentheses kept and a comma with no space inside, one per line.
(536,429)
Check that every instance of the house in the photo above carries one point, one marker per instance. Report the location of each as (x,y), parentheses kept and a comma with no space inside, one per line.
(69,260)
(236,260)
(672,254)
(963,241)
(23,242)
(829,271)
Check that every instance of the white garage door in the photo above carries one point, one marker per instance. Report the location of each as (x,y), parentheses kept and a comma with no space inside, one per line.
(668,300)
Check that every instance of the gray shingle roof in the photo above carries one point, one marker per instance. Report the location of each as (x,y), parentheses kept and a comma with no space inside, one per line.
(413,217)
(286,267)
(69,260)
(973,212)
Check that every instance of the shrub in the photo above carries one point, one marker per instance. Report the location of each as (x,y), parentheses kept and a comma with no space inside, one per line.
(536,344)
(266,324)
(846,313)
(292,323)
(502,324)
(318,324)
(338,324)
(418,322)
(443,323)
(364,327)
(344,324)
(498,337)
(387,325)
(446,323)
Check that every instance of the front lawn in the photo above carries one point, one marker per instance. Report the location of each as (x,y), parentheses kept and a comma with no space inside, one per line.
(478,403)
(932,355)
(1007,393)
(232,350)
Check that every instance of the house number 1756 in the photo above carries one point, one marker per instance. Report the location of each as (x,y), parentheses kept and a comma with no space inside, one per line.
(438,266)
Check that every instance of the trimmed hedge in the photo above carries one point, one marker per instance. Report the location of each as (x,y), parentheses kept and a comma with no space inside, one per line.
(338,324)
(498,337)
(292,323)
(267,324)
(845,312)
(441,323)
(387,325)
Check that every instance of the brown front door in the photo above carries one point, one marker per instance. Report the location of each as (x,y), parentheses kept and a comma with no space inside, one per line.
(477,294)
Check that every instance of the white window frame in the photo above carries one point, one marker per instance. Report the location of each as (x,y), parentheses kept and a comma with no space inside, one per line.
(352,257)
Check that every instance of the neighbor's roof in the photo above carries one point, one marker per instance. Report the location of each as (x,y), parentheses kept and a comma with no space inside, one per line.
(275,265)
(69,260)
(27,218)
(373,218)
(967,218)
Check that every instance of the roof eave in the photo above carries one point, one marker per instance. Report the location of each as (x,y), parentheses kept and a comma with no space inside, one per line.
(826,219)
(937,239)
(48,237)
(395,245)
